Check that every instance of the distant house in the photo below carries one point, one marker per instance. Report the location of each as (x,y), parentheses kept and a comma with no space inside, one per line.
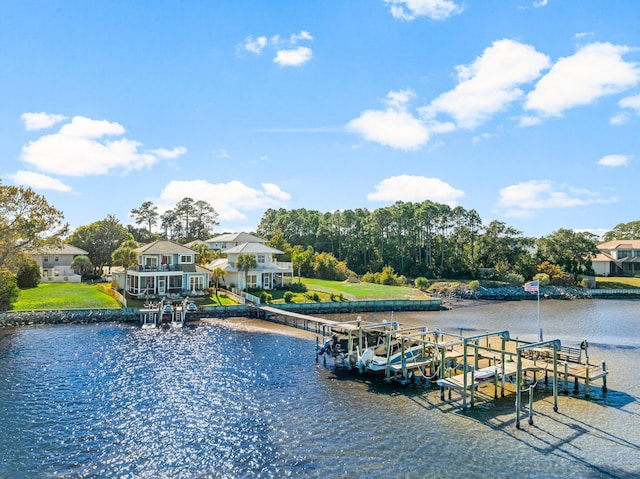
(55,263)
(165,267)
(229,240)
(269,272)
(617,258)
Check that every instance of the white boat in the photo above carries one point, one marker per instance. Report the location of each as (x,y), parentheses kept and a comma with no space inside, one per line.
(377,359)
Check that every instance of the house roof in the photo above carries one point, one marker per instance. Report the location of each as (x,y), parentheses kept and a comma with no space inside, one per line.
(252,248)
(63,249)
(193,243)
(619,244)
(163,247)
(236,238)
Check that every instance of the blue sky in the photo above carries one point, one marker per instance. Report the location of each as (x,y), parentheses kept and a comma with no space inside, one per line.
(527,111)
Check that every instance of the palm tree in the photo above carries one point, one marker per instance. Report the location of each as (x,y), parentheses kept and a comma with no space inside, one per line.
(218,275)
(246,262)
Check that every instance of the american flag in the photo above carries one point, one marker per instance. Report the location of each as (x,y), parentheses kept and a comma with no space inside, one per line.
(532,286)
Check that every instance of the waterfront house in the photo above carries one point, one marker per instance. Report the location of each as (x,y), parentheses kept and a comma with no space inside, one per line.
(617,258)
(269,272)
(55,263)
(166,268)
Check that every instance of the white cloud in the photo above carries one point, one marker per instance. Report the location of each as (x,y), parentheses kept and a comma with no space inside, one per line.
(490,84)
(303,35)
(272,190)
(255,46)
(221,154)
(38,121)
(396,129)
(619,118)
(80,149)
(393,127)
(529,121)
(39,181)
(293,57)
(523,199)
(415,189)
(614,160)
(287,53)
(594,71)
(632,102)
(230,200)
(434,9)
(169,154)
(540,3)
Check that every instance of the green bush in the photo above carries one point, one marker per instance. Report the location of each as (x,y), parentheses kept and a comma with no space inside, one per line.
(9,290)
(514,279)
(265,297)
(298,288)
(421,283)
(28,275)
(474,285)
(288,297)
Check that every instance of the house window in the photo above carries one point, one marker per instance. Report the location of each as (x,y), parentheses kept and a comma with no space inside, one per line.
(46,259)
(167,259)
(261,259)
(196,283)
(252,281)
(55,259)
(186,258)
(151,261)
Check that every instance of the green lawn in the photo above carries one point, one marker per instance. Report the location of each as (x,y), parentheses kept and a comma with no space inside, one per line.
(612,282)
(364,291)
(50,296)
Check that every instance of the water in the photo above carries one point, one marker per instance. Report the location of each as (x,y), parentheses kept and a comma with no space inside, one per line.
(218,401)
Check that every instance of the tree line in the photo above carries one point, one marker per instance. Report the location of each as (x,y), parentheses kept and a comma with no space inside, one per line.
(411,239)
(425,239)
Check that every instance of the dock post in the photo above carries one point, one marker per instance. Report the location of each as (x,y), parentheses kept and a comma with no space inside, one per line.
(555,378)
(502,359)
(442,371)
(531,405)
(464,374)
(586,381)
(317,346)
(518,388)
(473,372)
(566,378)
(604,378)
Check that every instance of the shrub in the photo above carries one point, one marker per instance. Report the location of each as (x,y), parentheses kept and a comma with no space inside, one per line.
(543,278)
(474,285)
(8,289)
(28,275)
(288,297)
(265,297)
(421,283)
(514,279)
(368,278)
(298,288)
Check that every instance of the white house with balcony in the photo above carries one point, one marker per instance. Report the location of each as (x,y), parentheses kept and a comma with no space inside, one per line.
(269,272)
(617,258)
(55,263)
(166,268)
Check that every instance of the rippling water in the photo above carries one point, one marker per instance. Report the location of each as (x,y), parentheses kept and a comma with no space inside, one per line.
(212,401)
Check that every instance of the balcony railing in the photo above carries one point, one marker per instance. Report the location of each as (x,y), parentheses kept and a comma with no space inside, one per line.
(152,269)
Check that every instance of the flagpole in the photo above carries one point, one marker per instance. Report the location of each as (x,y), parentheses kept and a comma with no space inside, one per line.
(539,330)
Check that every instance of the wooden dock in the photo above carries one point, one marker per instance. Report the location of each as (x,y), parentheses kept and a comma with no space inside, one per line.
(487,360)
